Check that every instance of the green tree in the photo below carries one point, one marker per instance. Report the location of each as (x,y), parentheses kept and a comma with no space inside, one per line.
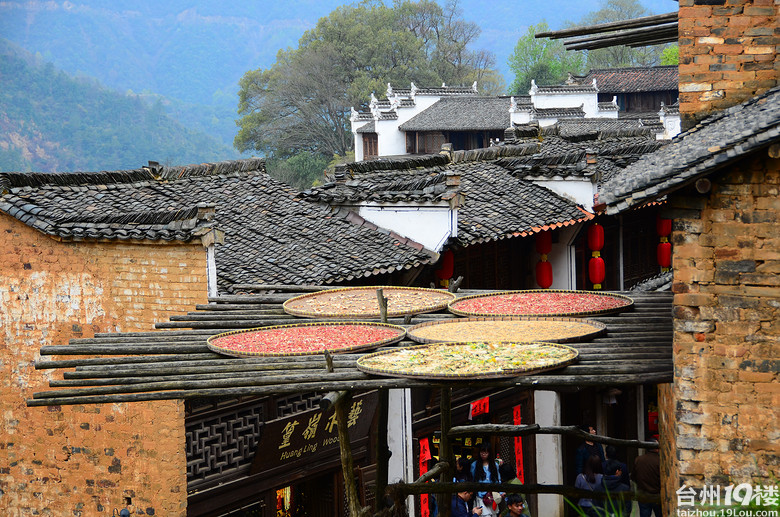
(302,170)
(670,55)
(302,102)
(620,56)
(541,59)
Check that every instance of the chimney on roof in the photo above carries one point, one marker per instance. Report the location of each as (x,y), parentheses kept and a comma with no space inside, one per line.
(340,173)
(728,54)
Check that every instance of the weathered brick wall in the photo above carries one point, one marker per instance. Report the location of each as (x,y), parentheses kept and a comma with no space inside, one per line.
(728,53)
(726,392)
(92,459)
(667,441)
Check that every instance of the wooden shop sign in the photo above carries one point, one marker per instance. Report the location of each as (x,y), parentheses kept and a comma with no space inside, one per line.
(305,436)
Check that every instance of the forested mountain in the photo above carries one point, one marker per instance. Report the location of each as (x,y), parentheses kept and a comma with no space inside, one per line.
(50,121)
(197,50)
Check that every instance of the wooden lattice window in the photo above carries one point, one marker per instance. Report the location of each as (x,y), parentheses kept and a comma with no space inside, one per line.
(370,146)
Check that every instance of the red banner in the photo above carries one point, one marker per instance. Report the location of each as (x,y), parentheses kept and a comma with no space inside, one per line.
(518,420)
(425,455)
(479,407)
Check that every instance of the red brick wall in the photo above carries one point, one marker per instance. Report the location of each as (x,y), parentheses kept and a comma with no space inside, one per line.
(86,460)
(726,395)
(728,53)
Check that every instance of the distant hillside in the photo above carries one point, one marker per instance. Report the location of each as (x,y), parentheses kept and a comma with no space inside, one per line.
(50,121)
(197,50)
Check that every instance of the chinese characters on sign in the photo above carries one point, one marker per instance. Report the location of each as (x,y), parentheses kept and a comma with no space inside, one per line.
(742,500)
(306,433)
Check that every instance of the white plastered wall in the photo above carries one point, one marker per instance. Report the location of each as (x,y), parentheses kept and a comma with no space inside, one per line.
(428,224)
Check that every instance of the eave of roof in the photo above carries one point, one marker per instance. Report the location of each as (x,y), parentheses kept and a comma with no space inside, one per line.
(714,143)
(462,114)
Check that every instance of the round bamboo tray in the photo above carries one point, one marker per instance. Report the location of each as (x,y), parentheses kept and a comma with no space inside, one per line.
(362,303)
(507,328)
(467,361)
(306,339)
(540,302)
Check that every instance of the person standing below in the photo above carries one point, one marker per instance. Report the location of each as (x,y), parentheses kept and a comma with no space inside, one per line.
(647,476)
(485,470)
(515,506)
(508,474)
(612,455)
(588,480)
(611,484)
(460,506)
(586,450)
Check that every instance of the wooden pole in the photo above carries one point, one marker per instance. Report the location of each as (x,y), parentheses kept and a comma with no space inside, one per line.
(382,299)
(347,467)
(445,450)
(382,450)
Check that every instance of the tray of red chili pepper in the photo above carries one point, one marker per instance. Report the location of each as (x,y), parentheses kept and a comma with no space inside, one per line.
(540,302)
(306,339)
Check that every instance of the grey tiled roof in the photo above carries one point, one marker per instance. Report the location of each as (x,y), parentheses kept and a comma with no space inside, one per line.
(369,127)
(499,206)
(468,113)
(630,80)
(564,146)
(559,112)
(271,234)
(715,142)
(496,204)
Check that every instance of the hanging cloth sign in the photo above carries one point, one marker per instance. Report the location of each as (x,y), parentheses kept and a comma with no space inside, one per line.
(518,420)
(425,456)
(479,407)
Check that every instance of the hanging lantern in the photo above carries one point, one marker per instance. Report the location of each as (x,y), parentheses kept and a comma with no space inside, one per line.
(664,255)
(595,237)
(664,250)
(596,271)
(544,242)
(447,265)
(663,227)
(544,274)
(596,268)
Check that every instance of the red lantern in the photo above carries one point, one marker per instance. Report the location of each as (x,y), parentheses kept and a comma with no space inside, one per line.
(663,227)
(596,271)
(544,242)
(595,237)
(664,254)
(447,266)
(544,274)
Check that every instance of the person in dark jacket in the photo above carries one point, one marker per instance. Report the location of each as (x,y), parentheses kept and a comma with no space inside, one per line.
(611,454)
(460,506)
(647,476)
(586,450)
(611,484)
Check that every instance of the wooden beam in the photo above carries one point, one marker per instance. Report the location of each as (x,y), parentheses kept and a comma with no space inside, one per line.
(645,21)
(534,429)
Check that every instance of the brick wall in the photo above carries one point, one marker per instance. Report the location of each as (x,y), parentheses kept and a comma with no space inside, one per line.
(726,394)
(88,460)
(728,53)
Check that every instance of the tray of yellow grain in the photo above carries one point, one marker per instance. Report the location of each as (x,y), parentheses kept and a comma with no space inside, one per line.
(554,330)
(467,361)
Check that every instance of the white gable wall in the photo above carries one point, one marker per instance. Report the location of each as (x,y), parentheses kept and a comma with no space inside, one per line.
(428,224)
(581,191)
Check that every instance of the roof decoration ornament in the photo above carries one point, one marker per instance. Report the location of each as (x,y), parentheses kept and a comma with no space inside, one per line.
(413,90)
(594,85)
(389,92)
(474,87)
(534,88)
